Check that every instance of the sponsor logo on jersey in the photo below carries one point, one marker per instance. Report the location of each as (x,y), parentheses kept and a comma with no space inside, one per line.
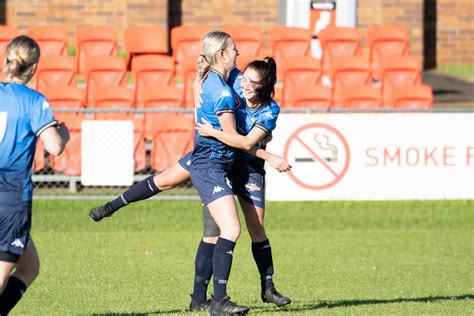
(252,187)
(17,243)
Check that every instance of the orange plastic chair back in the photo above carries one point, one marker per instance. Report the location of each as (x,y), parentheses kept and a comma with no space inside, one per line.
(338,41)
(39,161)
(398,70)
(244,60)
(297,72)
(413,97)
(315,97)
(151,71)
(103,71)
(248,39)
(289,41)
(94,41)
(162,97)
(64,97)
(138,40)
(185,41)
(361,97)
(171,143)
(52,40)
(348,71)
(114,97)
(55,71)
(6,35)
(386,40)
(190,73)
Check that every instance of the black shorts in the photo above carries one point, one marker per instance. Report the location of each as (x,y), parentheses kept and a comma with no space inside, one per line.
(15,228)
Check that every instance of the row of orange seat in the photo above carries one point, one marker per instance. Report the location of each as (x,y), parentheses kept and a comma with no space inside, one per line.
(171,139)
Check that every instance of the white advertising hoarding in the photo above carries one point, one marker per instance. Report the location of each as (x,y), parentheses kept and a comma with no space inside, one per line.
(107,153)
(376,156)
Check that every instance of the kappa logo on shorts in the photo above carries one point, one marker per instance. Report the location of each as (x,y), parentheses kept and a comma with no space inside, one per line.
(17,243)
(217,189)
(252,187)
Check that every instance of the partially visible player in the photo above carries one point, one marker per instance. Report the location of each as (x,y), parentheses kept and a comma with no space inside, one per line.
(25,116)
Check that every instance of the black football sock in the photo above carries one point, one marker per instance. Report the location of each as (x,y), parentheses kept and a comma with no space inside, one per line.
(222,263)
(140,191)
(262,254)
(202,270)
(11,295)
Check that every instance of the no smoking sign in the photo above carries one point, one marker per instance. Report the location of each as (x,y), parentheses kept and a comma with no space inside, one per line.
(319,154)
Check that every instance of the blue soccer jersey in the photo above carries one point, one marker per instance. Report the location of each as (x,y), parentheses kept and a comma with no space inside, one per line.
(217,98)
(24,114)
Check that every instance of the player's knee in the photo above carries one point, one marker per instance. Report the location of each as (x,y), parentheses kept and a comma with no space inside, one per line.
(28,272)
(163,183)
(231,233)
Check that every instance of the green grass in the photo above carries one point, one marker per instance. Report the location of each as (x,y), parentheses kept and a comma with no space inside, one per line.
(465,71)
(331,258)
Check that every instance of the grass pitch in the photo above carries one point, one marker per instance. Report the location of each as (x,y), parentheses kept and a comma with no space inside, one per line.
(331,258)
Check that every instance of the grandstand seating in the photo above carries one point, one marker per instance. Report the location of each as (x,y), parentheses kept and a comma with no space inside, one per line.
(289,41)
(296,72)
(6,35)
(348,71)
(64,97)
(114,97)
(412,97)
(315,97)
(248,39)
(185,41)
(55,71)
(398,70)
(338,41)
(244,60)
(172,142)
(361,97)
(159,97)
(103,71)
(51,39)
(385,40)
(94,41)
(139,40)
(151,71)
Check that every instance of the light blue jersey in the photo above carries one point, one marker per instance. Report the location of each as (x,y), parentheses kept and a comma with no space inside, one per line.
(24,114)
(217,98)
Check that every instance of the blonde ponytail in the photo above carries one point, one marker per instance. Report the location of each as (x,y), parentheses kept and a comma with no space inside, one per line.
(21,54)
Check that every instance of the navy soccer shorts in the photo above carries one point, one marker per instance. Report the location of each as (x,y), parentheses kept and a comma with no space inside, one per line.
(211,181)
(15,225)
(249,184)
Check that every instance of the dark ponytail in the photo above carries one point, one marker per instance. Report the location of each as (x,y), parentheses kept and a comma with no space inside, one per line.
(267,70)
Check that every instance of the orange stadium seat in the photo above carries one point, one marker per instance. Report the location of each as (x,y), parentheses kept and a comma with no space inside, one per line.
(185,41)
(51,39)
(6,35)
(69,162)
(160,97)
(412,97)
(398,70)
(348,71)
(94,41)
(39,161)
(114,97)
(190,73)
(172,143)
(338,41)
(248,39)
(386,40)
(103,71)
(315,97)
(151,71)
(64,97)
(2,59)
(298,72)
(244,60)
(139,40)
(289,41)
(361,97)
(55,71)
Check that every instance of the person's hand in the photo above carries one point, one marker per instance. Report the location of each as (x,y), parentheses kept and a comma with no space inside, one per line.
(266,140)
(205,129)
(279,163)
(63,132)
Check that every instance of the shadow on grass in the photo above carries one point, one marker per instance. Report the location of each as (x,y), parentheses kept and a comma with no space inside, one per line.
(347,303)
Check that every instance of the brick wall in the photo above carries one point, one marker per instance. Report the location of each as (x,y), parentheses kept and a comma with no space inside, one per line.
(455,31)
(118,14)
